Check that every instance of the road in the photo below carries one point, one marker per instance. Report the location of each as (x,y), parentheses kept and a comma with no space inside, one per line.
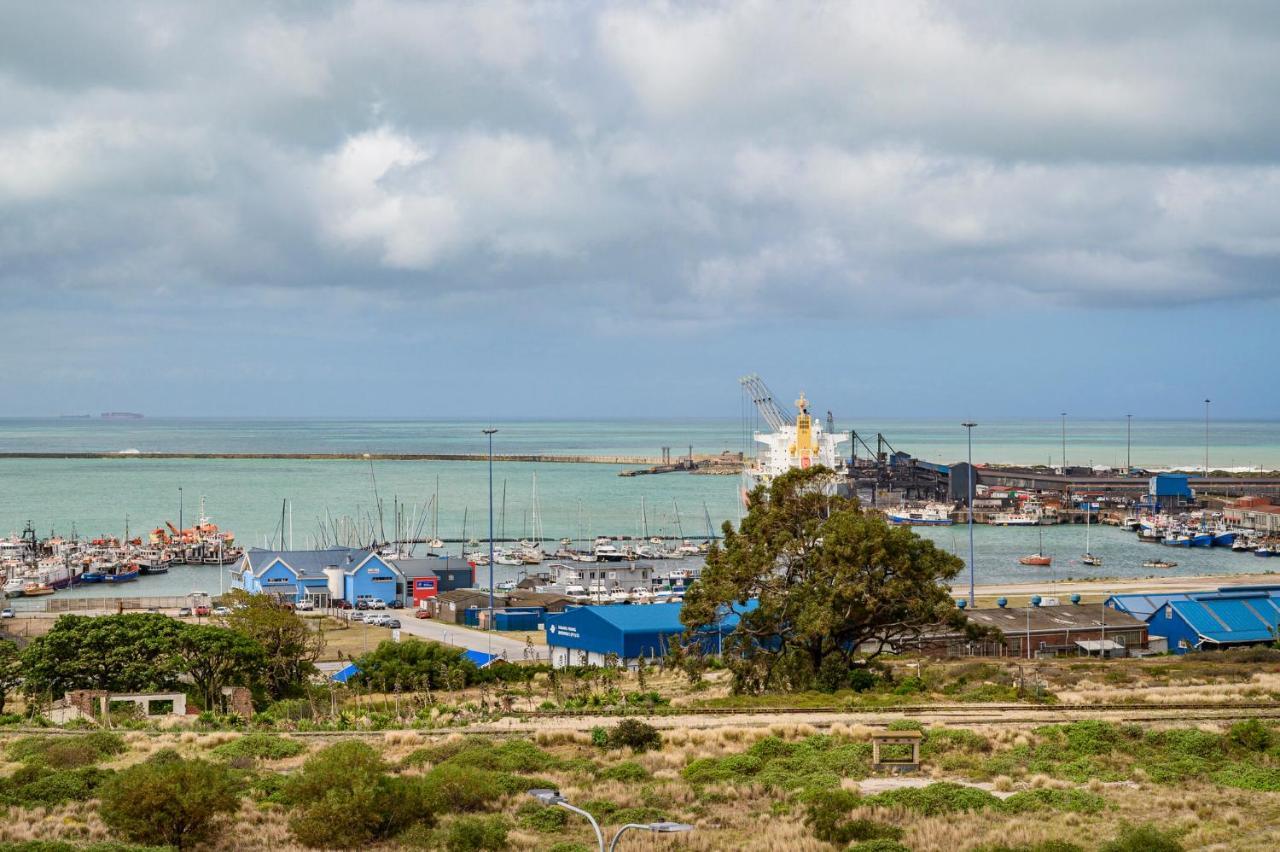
(475,640)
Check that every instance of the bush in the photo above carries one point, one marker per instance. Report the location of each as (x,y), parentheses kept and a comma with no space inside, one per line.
(460,789)
(477,834)
(1250,735)
(827,812)
(939,798)
(1141,838)
(172,802)
(542,818)
(34,787)
(1076,801)
(882,845)
(263,746)
(861,680)
(599,737)
(344,798)
(635,735)
(627,771)
(66,752)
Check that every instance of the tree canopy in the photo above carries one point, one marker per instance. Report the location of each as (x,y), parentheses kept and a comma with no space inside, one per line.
(214,657)
(414,664)
(169,800)
(120,653)
(290,646)
(830,581)
(10,670)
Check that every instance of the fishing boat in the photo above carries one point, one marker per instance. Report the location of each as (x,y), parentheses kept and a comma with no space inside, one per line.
(13,588)
(1241,545)
(1038,558)
(1159,563)
(931,515)
(1180,539)
(1150,535)
(121,574)
(1264,551)
(33,590)
(1202,539)
(1014,519)
(1222,538)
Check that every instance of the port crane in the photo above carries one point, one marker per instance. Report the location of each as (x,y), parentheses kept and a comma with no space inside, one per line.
(775,415)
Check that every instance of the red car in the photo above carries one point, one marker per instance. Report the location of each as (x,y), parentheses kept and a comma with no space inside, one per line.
(421,613)
(202,610)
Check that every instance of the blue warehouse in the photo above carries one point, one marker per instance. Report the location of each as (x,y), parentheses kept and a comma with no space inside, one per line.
(319,576)
(595,635)
(1216,620)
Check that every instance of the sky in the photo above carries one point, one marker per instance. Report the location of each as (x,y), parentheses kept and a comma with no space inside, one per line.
(375,208)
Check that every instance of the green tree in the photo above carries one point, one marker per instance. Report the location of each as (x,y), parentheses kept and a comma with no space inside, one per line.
(343,797)
(290,646)
(827,577)
(120,653)
(10,670)
(214,657)
(168,800)
(414,664)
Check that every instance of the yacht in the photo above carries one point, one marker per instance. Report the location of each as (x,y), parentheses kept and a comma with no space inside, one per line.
(608,553)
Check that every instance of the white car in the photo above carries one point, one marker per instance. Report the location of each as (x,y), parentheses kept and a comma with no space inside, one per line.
(377,603)
(356,615)
(220,610)
(305,606)
(377,619)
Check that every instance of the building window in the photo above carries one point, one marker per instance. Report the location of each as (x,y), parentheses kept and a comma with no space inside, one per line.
(1168,610)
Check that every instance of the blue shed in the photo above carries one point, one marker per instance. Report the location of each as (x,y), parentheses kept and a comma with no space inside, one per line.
(371,578)
(589,634)
(1248,616)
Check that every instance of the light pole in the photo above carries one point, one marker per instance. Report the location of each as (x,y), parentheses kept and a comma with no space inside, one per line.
(968,426)
(1064,443)
(553,797)
(1206,438)
(1128,443)
(179,510)
(490,433)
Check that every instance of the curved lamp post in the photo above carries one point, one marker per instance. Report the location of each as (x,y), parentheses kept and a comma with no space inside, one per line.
(553,797)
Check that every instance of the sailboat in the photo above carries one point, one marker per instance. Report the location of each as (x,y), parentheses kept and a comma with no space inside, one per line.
(1038,558)
(436,544)
(1089,558)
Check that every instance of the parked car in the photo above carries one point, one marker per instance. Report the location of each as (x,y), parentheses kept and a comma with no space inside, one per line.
(377,603)
(202,610)
(185,612)
(356,615)
(6,613)
(362,604)
(305,606)
(221,610)
(342,604)
(422,613)
(392,624)
(397,604)
(377,619)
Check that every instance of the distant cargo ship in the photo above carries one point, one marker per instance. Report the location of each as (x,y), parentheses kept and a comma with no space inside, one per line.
(73,416)
(121,415)
(798,441)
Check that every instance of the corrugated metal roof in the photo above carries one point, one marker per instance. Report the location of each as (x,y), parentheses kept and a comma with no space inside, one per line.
(305,562)
(1227,619)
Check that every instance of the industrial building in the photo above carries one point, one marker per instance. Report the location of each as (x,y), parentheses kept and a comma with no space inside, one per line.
(293,576)
(1040,631)
(594,635)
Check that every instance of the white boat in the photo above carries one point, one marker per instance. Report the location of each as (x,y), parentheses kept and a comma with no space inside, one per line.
(619,596)
(797,441)
(608,553)
(932,515)
(13,588)
(641,594)
(1014,519)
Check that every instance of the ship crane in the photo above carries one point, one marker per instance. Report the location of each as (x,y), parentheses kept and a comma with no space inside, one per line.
(773,414)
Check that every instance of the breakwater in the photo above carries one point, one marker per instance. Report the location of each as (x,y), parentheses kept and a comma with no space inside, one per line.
(497,457)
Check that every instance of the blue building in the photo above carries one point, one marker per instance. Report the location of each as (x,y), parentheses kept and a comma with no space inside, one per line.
(319,576)
(588,635)
(1216,620)
(1170,490)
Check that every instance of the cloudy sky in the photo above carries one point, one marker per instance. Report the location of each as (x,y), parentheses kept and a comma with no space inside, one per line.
(482,209)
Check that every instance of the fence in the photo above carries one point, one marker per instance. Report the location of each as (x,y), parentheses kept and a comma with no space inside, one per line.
(100,604)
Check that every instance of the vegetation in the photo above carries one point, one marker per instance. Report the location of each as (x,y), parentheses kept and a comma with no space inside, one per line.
(415,664)
(260,745)
(65,752)
(168,801)
(345,798)
(635,735)
(10,670)
(827,578)
(120,653)
(290,647)
(214,657)
(476,834)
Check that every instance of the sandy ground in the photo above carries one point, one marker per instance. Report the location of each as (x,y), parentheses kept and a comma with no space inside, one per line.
(1103,586)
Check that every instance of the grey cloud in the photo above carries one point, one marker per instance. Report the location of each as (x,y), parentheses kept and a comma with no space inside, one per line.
(699,161)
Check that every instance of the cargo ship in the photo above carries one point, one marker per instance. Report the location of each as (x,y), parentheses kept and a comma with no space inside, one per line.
(797,441)
(121,415)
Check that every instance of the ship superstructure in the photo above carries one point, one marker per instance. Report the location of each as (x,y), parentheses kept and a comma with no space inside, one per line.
(796,441)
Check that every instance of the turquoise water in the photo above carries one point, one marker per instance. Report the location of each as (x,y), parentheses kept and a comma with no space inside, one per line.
(98,495)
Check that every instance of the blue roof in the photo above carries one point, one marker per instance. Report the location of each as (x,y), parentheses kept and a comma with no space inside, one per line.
(1144,604)
(663,617)
(1231,618)
(480,658)
(306,562)
(345,673)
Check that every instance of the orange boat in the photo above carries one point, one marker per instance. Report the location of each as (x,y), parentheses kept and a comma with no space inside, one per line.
(1036,559)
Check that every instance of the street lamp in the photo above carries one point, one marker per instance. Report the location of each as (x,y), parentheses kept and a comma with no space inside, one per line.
(490,433)
(553,797)
(1206,438)
(1128,444)
(1064,443)
(969,502)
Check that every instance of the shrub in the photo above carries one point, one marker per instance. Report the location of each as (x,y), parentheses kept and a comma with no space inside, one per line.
(542,818)
(827,815)
(172,802)
(883,844)
(939,798)
(263,746)
(635,735)
(568,846)
(1251,735)
(627,771)
(477,834)
(66,752)
(599,737)
(456,789)
(1141,838)
(40,788)
(1247,776)
(507,756)
(860,680)
(344,798)
(1077,801)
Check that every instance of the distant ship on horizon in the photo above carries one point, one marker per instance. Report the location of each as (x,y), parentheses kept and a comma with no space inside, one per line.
(121,415)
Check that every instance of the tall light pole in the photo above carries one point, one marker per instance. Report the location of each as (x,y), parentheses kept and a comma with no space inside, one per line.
(968,426)
(1206,437)
(179,509)
(1064,443)
(1128,443)
(490,433)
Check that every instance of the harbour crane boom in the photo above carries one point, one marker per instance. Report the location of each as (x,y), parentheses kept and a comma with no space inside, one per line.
(773,414)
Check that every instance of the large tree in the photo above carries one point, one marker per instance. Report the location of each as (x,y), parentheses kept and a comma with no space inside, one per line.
(214,657)
(290,645)
(414,664)
(10,670)
(832,583)
(119,653)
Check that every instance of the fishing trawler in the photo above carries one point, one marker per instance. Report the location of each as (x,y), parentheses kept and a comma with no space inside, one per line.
(797,441)
(932,515)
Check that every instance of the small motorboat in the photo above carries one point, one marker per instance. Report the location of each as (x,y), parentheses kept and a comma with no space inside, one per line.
(1159,563)
(1265,551)
(1090,559)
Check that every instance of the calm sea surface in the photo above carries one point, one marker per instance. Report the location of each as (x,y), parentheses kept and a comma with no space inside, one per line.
(573,500)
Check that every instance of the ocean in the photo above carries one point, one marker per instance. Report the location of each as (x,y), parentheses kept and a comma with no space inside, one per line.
(101,496)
